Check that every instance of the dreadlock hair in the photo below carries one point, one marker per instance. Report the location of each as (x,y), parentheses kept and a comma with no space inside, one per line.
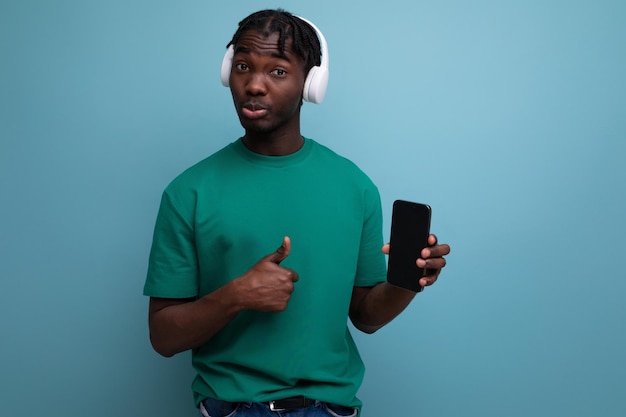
(305,42)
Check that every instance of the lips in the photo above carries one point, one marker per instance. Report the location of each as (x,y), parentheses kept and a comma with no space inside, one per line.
(254,110)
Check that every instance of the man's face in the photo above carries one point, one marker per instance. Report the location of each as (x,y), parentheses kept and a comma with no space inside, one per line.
(266,85)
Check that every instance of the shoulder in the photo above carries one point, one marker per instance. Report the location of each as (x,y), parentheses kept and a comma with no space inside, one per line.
(343,168)
(203,172)
(327,155)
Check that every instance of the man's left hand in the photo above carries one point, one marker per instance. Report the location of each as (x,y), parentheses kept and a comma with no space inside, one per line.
(432,260)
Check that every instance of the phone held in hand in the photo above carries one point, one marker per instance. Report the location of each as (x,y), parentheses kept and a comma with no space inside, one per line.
(410,227)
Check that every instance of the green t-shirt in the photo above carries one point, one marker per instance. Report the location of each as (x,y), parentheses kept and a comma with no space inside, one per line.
(218,218)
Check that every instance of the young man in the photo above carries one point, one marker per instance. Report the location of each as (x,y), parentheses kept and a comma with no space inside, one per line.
(268,327)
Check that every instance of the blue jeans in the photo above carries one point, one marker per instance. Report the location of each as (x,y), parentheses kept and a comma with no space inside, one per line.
(216,408)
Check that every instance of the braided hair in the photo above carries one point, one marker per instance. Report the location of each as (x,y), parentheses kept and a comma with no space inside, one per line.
(305,42)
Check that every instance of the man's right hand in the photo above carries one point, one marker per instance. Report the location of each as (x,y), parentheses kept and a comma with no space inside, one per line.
(267,286)
(177,325)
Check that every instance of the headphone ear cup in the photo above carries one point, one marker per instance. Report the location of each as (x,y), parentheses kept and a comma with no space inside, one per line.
(227,65)
(315,85)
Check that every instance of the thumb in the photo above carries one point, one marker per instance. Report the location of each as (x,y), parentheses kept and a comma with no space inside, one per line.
(282,252)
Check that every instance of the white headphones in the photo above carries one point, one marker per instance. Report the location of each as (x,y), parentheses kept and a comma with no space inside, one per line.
(316,80)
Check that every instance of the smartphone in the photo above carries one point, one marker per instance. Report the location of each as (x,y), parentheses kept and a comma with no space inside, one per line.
(410,227)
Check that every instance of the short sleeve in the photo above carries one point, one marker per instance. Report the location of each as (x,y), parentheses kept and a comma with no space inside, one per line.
(173,262)
(371,268)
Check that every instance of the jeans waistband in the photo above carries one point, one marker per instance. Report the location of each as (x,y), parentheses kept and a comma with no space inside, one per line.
(226,407)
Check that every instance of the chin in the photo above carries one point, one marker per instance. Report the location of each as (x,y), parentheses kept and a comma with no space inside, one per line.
(255,127)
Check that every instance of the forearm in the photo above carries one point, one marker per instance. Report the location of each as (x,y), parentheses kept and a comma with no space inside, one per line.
(374,307)
(180,325)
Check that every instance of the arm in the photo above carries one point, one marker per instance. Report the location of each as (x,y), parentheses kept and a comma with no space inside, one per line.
(373,307)
(177,325)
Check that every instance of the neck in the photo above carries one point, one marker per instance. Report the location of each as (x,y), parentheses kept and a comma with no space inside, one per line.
(276,143)
(273,146)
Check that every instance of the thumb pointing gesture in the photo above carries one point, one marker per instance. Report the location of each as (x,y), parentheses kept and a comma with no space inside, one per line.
(267,286)
(282,252)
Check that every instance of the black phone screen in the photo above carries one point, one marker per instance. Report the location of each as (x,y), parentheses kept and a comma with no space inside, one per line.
(410,227)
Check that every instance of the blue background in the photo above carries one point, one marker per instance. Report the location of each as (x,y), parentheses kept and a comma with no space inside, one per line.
(507,117)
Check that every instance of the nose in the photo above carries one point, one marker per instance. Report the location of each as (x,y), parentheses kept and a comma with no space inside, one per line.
(256,85)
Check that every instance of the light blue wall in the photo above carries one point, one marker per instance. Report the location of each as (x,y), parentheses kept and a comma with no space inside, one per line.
(508,117)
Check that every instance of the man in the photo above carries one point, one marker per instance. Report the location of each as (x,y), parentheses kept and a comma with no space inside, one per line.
(268,327)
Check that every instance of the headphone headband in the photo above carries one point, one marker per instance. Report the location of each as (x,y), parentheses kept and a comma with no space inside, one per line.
(316,81)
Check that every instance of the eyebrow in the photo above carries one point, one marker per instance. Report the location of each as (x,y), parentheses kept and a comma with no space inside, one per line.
(245,50)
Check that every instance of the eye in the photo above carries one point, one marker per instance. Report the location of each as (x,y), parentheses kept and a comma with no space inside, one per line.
(279,72)
(241,66)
